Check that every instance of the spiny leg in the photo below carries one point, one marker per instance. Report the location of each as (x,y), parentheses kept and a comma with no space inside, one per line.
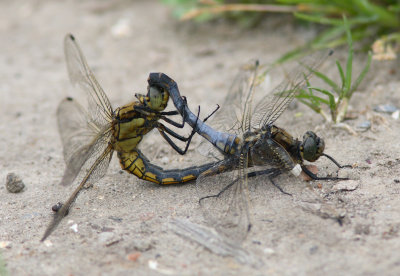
(212,113)
(164,130)
(273,172)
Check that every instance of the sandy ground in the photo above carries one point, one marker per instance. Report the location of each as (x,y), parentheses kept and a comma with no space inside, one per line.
(121,215)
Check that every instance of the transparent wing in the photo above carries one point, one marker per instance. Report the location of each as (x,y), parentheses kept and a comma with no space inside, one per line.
(270,107)
(94,169)
(82,139)
(223,199)
(100,110)
(238,100)
(234,113)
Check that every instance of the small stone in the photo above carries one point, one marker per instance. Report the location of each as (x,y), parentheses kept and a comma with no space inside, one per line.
(153,264)
(14,184)
(122,28)
(48,243)
(56,207)
(385,108)
(345,186)
(395,115)
(105,237)
(142,245)
(5,244)
(74,227)
(269,251)
(133,256)
(347,173)
(363,126)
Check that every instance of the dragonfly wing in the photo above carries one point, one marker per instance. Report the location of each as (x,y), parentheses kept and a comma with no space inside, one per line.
(271,106)
(96,169)
(74,128)
(230,116)
(100,110)
(81,139)
(81,160)
(223,199)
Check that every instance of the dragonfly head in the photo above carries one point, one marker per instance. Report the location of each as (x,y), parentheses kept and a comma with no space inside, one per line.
(156,98)
(312,146)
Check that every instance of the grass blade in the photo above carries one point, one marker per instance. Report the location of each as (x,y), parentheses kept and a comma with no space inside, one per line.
(361,76)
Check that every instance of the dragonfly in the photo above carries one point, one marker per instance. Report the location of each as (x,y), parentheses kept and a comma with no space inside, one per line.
(250,144)
(91,135)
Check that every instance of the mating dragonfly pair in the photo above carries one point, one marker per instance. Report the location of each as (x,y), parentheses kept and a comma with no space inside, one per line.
(91,136)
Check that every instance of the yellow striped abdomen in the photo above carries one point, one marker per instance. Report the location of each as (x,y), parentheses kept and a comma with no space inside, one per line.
(136,163)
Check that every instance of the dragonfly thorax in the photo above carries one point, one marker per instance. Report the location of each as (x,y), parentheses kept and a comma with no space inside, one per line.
(312,146)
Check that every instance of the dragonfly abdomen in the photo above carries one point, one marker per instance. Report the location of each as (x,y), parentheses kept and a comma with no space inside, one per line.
(136,163)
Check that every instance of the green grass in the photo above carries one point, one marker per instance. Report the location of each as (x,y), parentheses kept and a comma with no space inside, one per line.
(374,23)
(339,94)
(368,20)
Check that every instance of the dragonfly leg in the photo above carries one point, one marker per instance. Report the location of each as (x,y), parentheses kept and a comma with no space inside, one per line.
(221,192)
(272,173)
(335,162)
(175,112)
(171,122)
(271,178)
(212,113)
(315,177)
(164,130)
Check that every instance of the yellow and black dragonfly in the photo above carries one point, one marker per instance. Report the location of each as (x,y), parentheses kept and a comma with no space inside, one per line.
(249,144)
(91,135)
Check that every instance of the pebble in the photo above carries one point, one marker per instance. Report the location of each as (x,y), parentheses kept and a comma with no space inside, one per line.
(105,237)
(5,244)
(14,183)
(122,28)
(396,115)
(48,243)
(363,126)
(133,256)
(345,185)
(74,227)
(385,108)
(348,173)
(269,251)
(142,245)
(56,207)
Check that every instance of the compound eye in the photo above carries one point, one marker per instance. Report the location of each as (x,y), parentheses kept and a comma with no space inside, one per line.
(312,146)
(309,149)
